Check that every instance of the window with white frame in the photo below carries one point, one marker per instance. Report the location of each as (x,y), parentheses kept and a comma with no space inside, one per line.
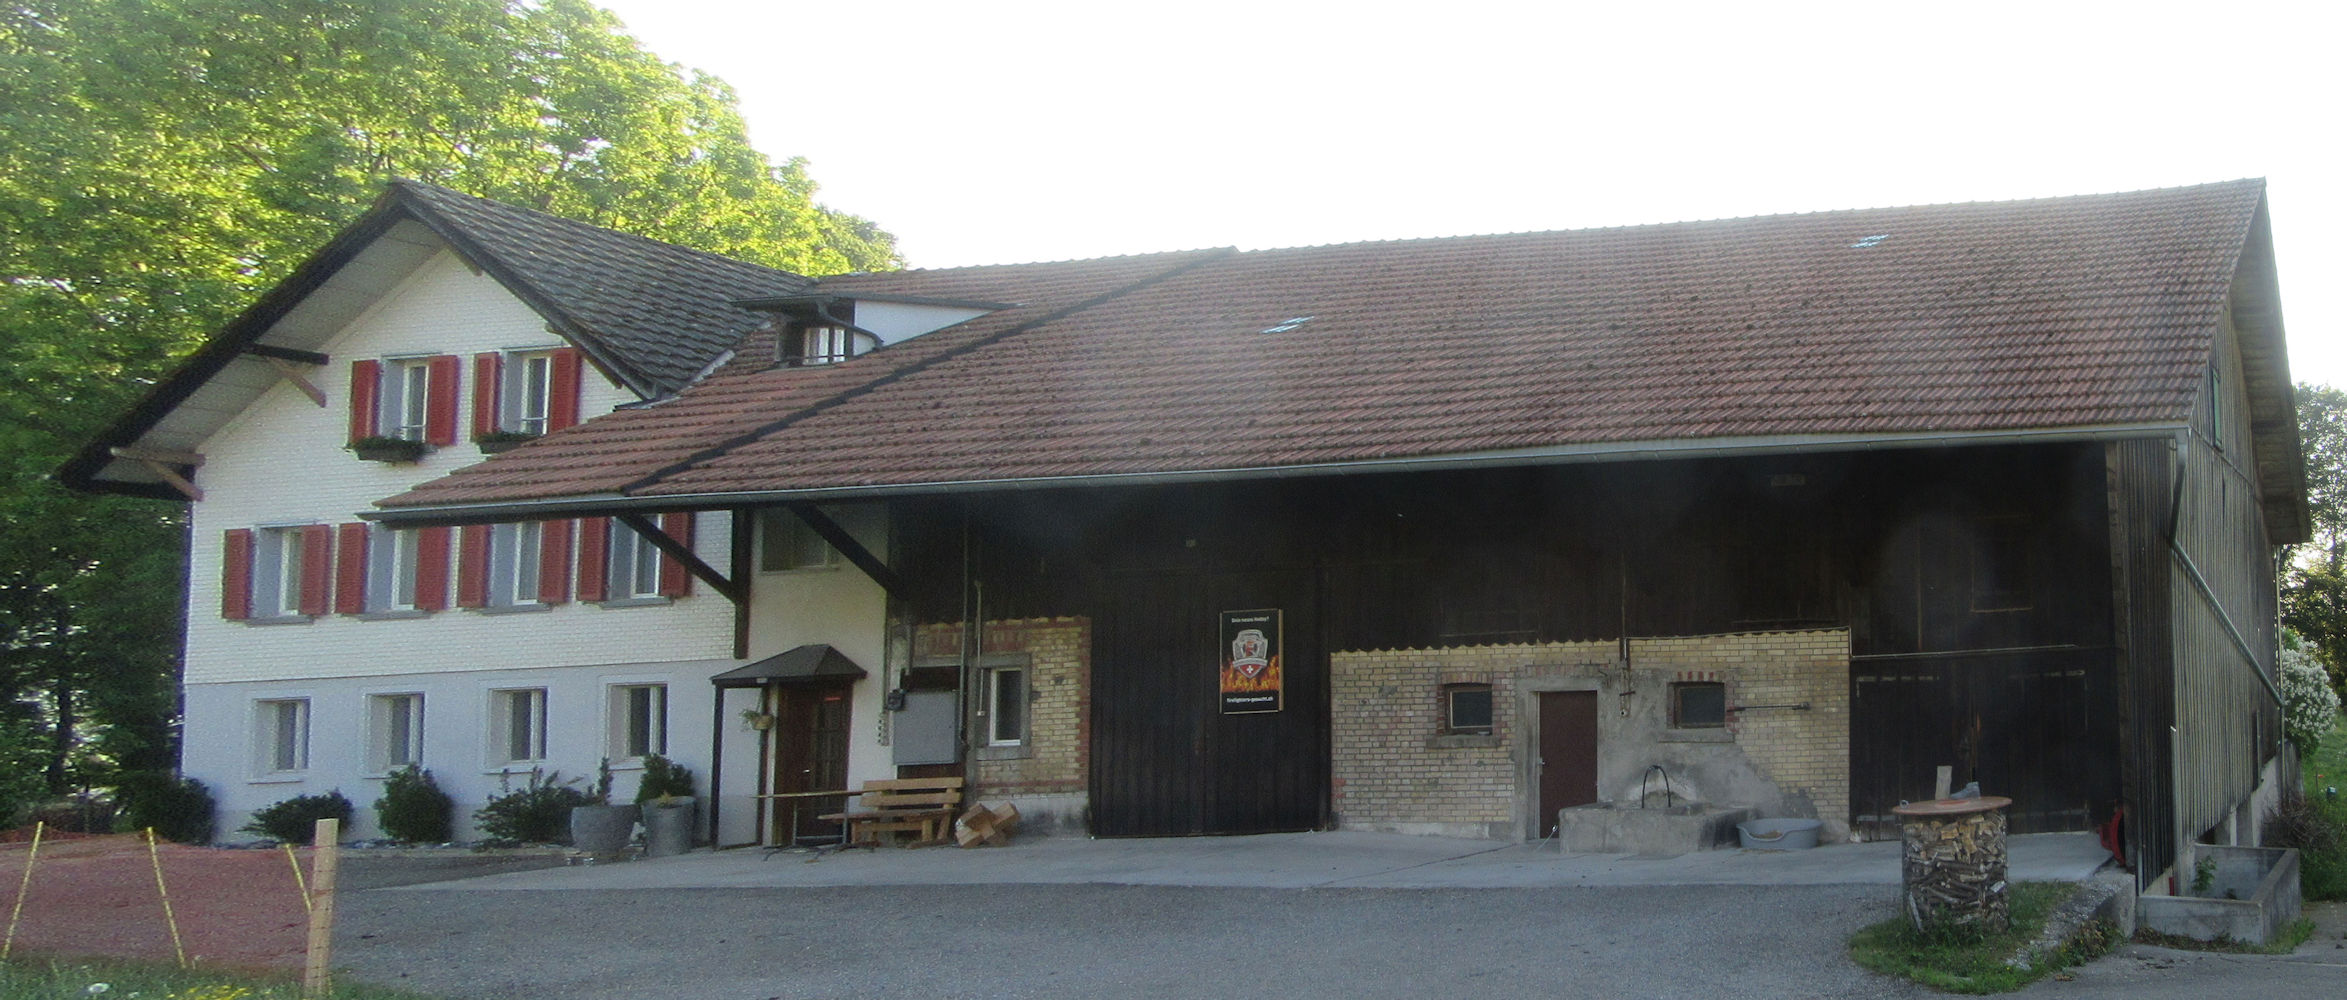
(517,725)
(513,563)
(282,735)
(633,565)
(1002,715)
(407,395)
(392,559)
(277,572)
(1466,709)
(395,731)
(786,543)
(639,720)
(528,391)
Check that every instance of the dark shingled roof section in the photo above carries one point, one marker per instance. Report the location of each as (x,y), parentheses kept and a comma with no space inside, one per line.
(653,312)
(2049,314)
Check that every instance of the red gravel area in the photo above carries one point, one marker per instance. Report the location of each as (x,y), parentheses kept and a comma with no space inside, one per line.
(96,897)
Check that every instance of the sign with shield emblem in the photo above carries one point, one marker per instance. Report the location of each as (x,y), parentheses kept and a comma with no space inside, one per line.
(1251,676)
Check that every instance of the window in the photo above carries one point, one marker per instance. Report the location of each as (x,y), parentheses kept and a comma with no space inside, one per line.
(392,569)
(514,563)
(1466,709)
(277,576)
(283,735)
(395,731)
(407,398)
(1699,705)
(517,723)
(529,392)
(816,343)
(639,714)
(633,568)
(786,543)
(1005,712)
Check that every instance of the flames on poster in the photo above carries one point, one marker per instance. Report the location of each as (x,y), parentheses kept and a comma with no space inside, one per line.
(1251,676)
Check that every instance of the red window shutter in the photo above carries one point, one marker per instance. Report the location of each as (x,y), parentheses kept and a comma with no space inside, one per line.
(488,382)
(562,392)
(236,574)
(350,569)
(472,566)
(317,569)
(432,569)
(366,385)
(674,581)
(554,561)
(594,558)
(440,405)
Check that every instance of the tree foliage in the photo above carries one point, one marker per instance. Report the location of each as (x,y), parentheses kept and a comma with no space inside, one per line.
(2314,595)
(163,161)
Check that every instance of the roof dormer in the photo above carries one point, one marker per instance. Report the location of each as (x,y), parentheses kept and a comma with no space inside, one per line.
(815,329)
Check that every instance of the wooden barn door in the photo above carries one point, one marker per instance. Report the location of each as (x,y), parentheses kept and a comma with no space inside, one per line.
(1166,760)
(1568,753)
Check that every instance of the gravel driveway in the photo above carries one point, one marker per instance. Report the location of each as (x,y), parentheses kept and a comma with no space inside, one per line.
(1714,943)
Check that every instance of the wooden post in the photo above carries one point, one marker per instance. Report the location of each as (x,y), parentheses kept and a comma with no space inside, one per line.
(325,856)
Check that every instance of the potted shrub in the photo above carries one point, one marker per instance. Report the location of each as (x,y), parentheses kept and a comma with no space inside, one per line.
(496,441)
(666,795)
(596,825)
(388,449)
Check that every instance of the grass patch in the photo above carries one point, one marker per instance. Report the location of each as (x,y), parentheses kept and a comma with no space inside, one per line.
(2322,871)
(53,979)
(2287,941)
(1966,960)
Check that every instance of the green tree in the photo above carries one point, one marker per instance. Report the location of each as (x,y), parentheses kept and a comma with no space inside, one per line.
(163,161)
(2314,593)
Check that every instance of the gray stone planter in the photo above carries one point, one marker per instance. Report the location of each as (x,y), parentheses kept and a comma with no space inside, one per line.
(602,829)
(2253,897)
(668,829)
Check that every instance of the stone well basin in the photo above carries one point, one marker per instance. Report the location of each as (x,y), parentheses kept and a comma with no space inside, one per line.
(1604,828)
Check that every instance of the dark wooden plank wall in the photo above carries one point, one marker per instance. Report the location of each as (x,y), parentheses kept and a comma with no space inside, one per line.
(2228,723)
(2142,494)
(1900,547)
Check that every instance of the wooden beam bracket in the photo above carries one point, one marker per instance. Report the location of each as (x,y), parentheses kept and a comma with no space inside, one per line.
(849,547)
(299,378)
(669,546)
(165,465)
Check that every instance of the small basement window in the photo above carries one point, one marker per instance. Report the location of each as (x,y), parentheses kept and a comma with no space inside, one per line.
(1466,710)
(1699,705)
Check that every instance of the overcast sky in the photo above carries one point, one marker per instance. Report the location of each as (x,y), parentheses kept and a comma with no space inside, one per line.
(985,133)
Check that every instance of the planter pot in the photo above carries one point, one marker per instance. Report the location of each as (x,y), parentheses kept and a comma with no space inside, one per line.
(602,829)
(668,829)
(2252,896)
(388,452)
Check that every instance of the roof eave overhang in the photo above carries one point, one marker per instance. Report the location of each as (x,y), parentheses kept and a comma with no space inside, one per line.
(2256,303)
(84,469)
(598,504)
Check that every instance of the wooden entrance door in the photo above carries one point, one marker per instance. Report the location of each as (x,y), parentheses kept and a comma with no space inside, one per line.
(809,753)
(1568,753)
(1166,760)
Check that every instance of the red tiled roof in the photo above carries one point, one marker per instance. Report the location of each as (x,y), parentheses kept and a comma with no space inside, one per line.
(2065,313)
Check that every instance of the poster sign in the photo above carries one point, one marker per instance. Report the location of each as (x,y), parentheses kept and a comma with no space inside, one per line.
(1251,675)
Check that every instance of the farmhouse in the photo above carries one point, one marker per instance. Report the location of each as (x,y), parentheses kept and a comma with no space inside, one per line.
(1439,536)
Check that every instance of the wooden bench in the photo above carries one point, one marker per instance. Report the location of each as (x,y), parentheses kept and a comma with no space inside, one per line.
(925,806)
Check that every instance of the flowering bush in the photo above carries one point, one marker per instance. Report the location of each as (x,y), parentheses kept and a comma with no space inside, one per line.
(2309,707)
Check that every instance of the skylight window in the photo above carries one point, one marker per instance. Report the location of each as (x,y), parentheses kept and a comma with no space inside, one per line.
(1287,324)
(1870,241)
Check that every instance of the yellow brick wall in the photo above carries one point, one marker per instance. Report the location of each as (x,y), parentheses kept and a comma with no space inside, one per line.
(1392,769)
(1059,715)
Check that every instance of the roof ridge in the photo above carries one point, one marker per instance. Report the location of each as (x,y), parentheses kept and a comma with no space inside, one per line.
(893,375)
(430,189)
(1001,265)
(1761,217)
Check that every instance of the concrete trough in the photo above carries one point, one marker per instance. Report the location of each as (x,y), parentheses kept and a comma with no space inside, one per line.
(2252,898)
(1603,828)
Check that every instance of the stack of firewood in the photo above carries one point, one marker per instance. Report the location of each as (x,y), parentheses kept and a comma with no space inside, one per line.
(982,827)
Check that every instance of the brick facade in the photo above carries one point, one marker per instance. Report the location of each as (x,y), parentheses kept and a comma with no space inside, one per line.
(1393,768)
(1050,778)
